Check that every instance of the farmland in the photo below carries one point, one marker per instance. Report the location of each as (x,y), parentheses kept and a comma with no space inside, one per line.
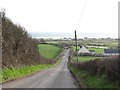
(97,50)
(95,72)
(97,42)
(84,58)
(98,71)
(49,51)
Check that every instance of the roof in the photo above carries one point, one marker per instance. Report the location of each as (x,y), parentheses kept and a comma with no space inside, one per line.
(111,50)
(84,50)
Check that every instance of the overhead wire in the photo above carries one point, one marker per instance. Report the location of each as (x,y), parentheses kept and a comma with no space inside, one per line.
(81,15)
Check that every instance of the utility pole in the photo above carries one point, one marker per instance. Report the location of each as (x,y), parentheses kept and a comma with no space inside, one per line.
(76,46)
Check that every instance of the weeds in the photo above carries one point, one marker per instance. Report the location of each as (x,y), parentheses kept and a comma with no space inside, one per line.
(13,73)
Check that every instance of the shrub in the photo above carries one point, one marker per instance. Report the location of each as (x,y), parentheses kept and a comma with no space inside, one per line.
(19,49)
(103,66)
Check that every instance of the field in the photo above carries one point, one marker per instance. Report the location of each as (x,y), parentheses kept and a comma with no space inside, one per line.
(74,48)
(97,50)
(84,58)
(106,43)
(49,51)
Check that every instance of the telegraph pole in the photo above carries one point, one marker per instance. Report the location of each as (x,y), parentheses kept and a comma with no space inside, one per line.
(76,46)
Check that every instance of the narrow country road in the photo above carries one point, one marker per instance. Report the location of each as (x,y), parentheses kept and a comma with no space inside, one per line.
(57,77)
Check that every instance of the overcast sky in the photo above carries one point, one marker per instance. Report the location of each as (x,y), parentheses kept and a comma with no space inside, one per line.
(99,16)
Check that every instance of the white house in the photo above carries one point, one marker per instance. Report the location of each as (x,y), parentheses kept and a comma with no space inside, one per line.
(84,50)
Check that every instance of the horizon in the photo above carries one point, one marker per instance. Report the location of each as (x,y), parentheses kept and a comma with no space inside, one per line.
(58,35)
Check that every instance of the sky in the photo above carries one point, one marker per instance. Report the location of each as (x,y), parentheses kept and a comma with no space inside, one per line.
(85,16)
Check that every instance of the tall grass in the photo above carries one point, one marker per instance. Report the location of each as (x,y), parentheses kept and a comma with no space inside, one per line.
(12,73)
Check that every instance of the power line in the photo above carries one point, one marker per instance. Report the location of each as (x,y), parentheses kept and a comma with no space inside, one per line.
(81,15)
(77,28)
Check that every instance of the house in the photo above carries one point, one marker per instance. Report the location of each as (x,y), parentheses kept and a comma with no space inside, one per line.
(84,51)
(111,51)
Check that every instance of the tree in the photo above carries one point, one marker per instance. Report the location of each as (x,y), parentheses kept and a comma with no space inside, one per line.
(42,41)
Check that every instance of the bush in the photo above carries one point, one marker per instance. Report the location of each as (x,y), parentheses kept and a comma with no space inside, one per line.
(19,49)
(103,66)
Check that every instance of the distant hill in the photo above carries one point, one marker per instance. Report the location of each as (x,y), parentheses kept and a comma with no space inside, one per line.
(58,34)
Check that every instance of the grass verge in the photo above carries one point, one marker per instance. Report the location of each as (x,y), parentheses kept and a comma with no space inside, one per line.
(14,73)
(86,80)
(8,74)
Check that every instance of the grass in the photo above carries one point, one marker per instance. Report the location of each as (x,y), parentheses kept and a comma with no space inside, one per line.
(113,45)
(13,73)
(97,50)
(74,48)
(84,58)
(8,74)
(49,51)
(0,75)
(87,80)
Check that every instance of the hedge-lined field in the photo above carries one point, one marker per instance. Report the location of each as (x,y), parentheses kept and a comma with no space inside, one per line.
(49,51)
(97,50)
(84,58)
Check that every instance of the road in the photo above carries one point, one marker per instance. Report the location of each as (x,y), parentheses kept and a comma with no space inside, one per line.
(57,77)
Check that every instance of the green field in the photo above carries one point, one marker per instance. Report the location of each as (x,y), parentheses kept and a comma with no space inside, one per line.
(97,50)
(49,51)
(84,58)
(74,48)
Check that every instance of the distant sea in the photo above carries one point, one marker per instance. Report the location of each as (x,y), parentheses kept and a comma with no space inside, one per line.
(57,35)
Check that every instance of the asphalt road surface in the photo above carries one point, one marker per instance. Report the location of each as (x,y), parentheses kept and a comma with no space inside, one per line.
(57,77)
